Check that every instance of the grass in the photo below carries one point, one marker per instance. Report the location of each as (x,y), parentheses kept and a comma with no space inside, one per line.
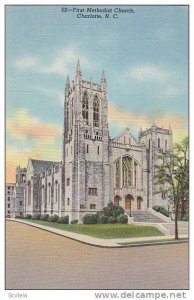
(107,231)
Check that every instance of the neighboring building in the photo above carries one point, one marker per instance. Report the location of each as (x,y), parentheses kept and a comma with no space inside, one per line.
(20,191)
(9,199)
(95,168)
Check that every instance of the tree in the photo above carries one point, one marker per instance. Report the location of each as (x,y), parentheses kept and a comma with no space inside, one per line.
(172,175)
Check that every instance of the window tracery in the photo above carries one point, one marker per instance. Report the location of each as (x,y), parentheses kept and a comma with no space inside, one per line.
(127,171)
(96,106)
(85,108)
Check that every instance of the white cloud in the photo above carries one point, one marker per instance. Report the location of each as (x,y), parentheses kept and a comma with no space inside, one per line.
(173,92)
(61,64)
(133,120)
(26,62)
(148,73)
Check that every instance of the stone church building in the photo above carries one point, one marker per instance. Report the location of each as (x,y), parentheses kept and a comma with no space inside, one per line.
(95,169)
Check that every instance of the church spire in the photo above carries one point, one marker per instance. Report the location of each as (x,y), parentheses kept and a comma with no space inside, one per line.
(103,82)
(67,81)
(78,70)
(103,79)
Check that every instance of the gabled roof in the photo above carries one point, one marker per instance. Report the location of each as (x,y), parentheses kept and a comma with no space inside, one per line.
(125,133)
(40,166)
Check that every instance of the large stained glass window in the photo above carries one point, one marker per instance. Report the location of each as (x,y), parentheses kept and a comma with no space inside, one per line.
(127,171)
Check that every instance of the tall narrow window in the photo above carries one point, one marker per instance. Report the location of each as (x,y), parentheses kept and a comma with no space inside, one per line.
(87,148)
(127,174)
(42,198)
(29,192)
(98,150)
(159,143)
(149,144)
(165,144)
(85,108)
(96,112)
(56,190)
(135,174)
(118,173)
(49,193)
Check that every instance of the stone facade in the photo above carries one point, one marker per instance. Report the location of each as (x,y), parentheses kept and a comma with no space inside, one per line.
(95,168)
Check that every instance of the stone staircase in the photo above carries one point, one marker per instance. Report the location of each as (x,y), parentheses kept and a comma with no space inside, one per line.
(145,216)
(183,227)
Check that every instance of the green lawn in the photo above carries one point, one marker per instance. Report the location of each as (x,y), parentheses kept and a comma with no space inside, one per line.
(108,231)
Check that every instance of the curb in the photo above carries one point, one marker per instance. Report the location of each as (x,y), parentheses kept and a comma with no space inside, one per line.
(133,244)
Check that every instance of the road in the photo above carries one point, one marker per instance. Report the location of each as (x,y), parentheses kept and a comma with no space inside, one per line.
(37,259)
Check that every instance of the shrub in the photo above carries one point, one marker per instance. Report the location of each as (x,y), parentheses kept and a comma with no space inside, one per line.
(122,219)
(63,220)
(112,220)
(44,217)
(36,217)
(74,221)
(161,209)
(90,219)
(21,216)
(112,210)
(101,218)
(28,216)
(54,218)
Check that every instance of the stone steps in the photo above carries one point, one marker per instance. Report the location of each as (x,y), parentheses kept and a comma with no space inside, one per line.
(183,227)
(145,216)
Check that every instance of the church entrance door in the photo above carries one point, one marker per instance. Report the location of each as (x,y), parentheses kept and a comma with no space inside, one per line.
(139,201)
(127,203)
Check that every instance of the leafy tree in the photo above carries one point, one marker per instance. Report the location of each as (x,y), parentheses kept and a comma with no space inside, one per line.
(172,175)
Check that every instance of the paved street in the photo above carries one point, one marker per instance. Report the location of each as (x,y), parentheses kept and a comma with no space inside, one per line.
(36,259)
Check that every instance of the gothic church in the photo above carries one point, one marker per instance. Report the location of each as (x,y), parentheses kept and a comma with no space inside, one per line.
(95,169)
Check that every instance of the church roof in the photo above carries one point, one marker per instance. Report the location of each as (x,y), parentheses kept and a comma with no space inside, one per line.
(40,166)
(124,133)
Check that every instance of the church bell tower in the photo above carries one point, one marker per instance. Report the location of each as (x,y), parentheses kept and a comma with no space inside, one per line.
(86,146)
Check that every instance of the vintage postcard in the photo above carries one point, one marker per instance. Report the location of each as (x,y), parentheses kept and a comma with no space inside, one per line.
(97,142)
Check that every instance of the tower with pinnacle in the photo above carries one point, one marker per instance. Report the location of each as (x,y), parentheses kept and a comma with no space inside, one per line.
(85,146)
(155,140)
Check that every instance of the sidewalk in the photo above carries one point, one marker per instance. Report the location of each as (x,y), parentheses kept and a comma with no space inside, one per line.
(107,243)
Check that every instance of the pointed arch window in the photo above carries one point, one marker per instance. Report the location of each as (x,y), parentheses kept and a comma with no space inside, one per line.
(85,108)
(165,144)
(158,142)
(127,171)
(29,192)
(135,174)
(96,108)
(118,178)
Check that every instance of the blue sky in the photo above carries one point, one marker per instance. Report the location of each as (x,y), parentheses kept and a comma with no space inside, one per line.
(144,55)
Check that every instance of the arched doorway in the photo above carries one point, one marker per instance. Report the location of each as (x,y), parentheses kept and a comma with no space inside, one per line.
(139,202)
(116,200)
(128,199)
